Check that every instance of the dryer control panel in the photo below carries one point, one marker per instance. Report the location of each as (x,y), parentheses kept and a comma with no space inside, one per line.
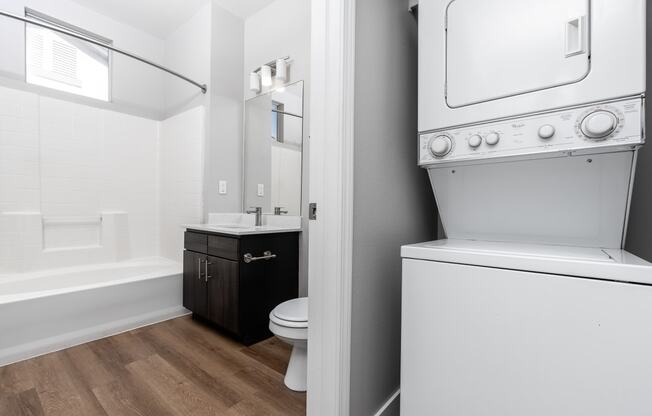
(593,128)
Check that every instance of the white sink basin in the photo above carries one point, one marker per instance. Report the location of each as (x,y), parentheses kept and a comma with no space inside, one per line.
(233,226)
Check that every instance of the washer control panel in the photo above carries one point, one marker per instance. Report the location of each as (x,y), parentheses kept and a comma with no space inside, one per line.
(617,123)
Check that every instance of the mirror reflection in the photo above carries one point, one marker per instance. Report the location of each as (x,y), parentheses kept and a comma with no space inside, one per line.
(273,144)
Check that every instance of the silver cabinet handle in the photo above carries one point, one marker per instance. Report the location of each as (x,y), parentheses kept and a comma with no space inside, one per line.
(199,269)
(206,275)
(248,258)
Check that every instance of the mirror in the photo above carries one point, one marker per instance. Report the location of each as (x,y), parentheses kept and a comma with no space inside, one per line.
(273,144)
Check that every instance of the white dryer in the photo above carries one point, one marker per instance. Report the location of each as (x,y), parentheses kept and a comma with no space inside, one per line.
(481,60)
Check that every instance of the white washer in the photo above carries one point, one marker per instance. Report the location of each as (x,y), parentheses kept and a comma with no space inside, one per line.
(494,328)
(481,60)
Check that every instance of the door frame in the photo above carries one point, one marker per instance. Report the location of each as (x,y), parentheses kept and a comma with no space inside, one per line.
(331,188)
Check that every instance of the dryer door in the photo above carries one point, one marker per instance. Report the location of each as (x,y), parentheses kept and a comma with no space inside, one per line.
(502,48)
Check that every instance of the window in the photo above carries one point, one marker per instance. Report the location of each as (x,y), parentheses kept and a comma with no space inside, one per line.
(65,63)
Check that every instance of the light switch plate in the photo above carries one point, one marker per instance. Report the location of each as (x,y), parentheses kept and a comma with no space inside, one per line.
(222,188)
(261,189)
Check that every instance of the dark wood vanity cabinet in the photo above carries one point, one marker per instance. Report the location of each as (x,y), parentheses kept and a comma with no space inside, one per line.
(220,287)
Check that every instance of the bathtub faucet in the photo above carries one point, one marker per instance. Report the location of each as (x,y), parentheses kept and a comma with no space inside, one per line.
(259,215)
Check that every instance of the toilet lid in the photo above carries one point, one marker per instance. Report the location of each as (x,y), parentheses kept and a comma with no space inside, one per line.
(293,310)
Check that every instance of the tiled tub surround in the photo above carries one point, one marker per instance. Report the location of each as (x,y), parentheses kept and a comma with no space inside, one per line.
(63,165)
(91,203)
(42,312)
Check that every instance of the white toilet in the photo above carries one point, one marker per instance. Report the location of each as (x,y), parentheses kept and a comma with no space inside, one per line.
(289,322)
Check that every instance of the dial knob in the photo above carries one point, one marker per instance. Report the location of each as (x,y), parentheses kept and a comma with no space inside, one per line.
(475,140)
(492,139)
(440,146)
(546,131)
(599,124)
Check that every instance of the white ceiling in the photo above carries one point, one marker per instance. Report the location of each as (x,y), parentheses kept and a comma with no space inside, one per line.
(160,17)
(243,8)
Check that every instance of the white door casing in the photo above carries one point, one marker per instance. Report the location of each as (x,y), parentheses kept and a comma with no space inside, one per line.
(331,188)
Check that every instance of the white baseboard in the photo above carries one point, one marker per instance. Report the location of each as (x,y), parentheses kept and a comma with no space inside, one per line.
(392,401)
(71,339)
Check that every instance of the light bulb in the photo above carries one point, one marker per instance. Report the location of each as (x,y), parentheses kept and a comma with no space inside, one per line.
(281,70)
(266,75)
(254,82)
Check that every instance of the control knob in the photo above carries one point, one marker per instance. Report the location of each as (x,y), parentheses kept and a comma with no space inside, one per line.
(440,146)
(492,139)
(599,124)
(475,141)
(546,131)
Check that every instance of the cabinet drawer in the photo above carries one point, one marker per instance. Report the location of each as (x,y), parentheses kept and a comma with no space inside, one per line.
(224,247)
(195,242)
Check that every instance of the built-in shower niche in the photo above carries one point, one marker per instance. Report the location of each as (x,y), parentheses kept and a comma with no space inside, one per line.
(44,242)
(66,233)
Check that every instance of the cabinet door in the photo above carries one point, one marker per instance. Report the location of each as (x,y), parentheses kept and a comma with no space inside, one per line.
(194,283)
(223,293)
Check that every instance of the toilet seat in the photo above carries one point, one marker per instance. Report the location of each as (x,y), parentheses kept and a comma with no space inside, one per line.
(291,314)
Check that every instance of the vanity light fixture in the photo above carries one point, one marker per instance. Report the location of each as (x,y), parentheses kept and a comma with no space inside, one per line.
(254,82)
(266,75)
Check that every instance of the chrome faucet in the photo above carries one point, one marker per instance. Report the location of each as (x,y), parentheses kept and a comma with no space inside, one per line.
(279,211)
(259,215)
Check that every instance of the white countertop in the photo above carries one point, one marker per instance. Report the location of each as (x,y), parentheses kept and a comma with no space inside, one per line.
(241,230)
(244,224)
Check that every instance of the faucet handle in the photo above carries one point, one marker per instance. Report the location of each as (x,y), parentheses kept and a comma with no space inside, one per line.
(279,211)
(255,210)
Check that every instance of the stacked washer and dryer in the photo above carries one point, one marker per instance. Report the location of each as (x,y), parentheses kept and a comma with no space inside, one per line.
(531,114)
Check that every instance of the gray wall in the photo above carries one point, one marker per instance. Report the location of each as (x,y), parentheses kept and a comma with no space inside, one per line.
(393,202)
(639,234)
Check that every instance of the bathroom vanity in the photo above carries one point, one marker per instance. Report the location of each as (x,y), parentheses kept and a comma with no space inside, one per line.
(234,279)
(238,267)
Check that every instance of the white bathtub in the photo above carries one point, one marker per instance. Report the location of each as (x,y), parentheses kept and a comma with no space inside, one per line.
(43,312)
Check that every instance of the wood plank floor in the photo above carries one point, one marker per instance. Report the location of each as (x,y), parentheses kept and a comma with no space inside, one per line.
(176,368)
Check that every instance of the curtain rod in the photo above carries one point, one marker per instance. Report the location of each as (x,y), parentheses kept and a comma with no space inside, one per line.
(202,87)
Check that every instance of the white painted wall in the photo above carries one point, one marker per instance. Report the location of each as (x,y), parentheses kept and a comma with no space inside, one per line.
(136,88)
(188,51)
(283,29)
(224,141)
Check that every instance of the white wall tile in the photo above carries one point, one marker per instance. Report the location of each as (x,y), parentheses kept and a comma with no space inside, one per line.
(63,159)
(181,151)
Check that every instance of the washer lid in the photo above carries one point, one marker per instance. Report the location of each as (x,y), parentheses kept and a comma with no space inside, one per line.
(597,263)
(293,310)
